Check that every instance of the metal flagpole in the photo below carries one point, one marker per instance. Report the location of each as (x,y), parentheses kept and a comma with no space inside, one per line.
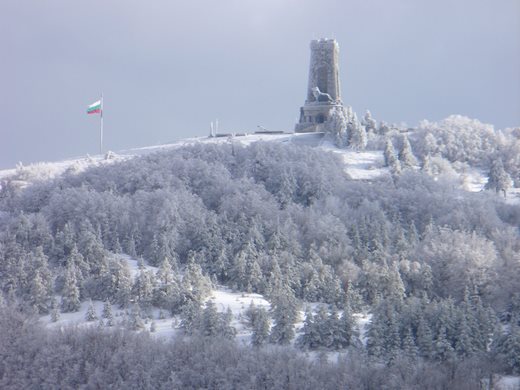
(101,131)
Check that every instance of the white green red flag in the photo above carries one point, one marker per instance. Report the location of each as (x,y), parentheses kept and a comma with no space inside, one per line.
(94,108)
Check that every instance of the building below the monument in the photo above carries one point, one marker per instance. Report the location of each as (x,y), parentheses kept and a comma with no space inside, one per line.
(323,90)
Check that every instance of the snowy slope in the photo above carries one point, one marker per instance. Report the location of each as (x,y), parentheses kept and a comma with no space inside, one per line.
(360,165)
(223,298)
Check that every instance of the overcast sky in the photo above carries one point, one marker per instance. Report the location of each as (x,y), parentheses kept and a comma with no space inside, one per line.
(167,68)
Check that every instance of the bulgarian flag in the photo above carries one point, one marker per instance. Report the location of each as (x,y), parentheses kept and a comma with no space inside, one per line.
(94,108)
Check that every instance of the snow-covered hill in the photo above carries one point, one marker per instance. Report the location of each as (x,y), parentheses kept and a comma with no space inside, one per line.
(359,165)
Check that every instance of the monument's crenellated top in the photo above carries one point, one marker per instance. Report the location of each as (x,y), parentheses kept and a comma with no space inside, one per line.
(324,41)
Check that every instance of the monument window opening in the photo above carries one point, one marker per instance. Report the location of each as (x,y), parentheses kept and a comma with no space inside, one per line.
(320,118)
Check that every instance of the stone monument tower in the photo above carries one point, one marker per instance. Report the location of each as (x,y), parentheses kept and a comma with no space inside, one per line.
(323,90)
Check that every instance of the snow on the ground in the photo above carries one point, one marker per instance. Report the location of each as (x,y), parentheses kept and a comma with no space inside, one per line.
(359,165)
(363,320)
(507,383)
(238,303)
(75,318)
(133,264)
(362,165)
(224,298)
(166,325)
(24,174)
(475,180)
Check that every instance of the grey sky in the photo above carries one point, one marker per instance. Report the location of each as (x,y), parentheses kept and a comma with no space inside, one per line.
(168,68)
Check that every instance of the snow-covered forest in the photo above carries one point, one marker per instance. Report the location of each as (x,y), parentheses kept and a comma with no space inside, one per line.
(430,267)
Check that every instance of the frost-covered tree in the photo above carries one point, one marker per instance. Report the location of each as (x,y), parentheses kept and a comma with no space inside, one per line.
(195,283)
(337,126)
(39,294)
(90,314)
(284,309)
(424,338)
(390,156)
(107,311)
(406,156)
(408,345)
(135,321)
(70,296)
(442,348)
(143,288)
(507,346)
(210,320)
(457,259)
(310,337)
(458,138)
(261,326)
(190,317)
(369,122)
(122,282)
(356,134)
(165,272)
(498,179)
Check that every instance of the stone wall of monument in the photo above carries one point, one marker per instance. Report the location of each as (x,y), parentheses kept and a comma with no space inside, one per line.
(323,88)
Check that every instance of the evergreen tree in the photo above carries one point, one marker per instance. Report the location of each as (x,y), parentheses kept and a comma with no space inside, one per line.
(239,273)
(255,276)
(510,347)
(391,159)
(337,126)
(210,320)
(165,272)
(348,331)
(142,289)
(107,311)
(393,338)
(389,153)
(39,294)
(81,267)
(357,136)
(195,283)
(225,329)
(261,327)
(122,283)
(334,338)
(370,123)
(442,347)
(70,294)
(424,338)
(427,165)
(90,315)
(375,338)
(406,156)
(135,321)
(190,317)
(169,296)
(408,345)
(464,345)
(129,246)
(285,314)
(309,339)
